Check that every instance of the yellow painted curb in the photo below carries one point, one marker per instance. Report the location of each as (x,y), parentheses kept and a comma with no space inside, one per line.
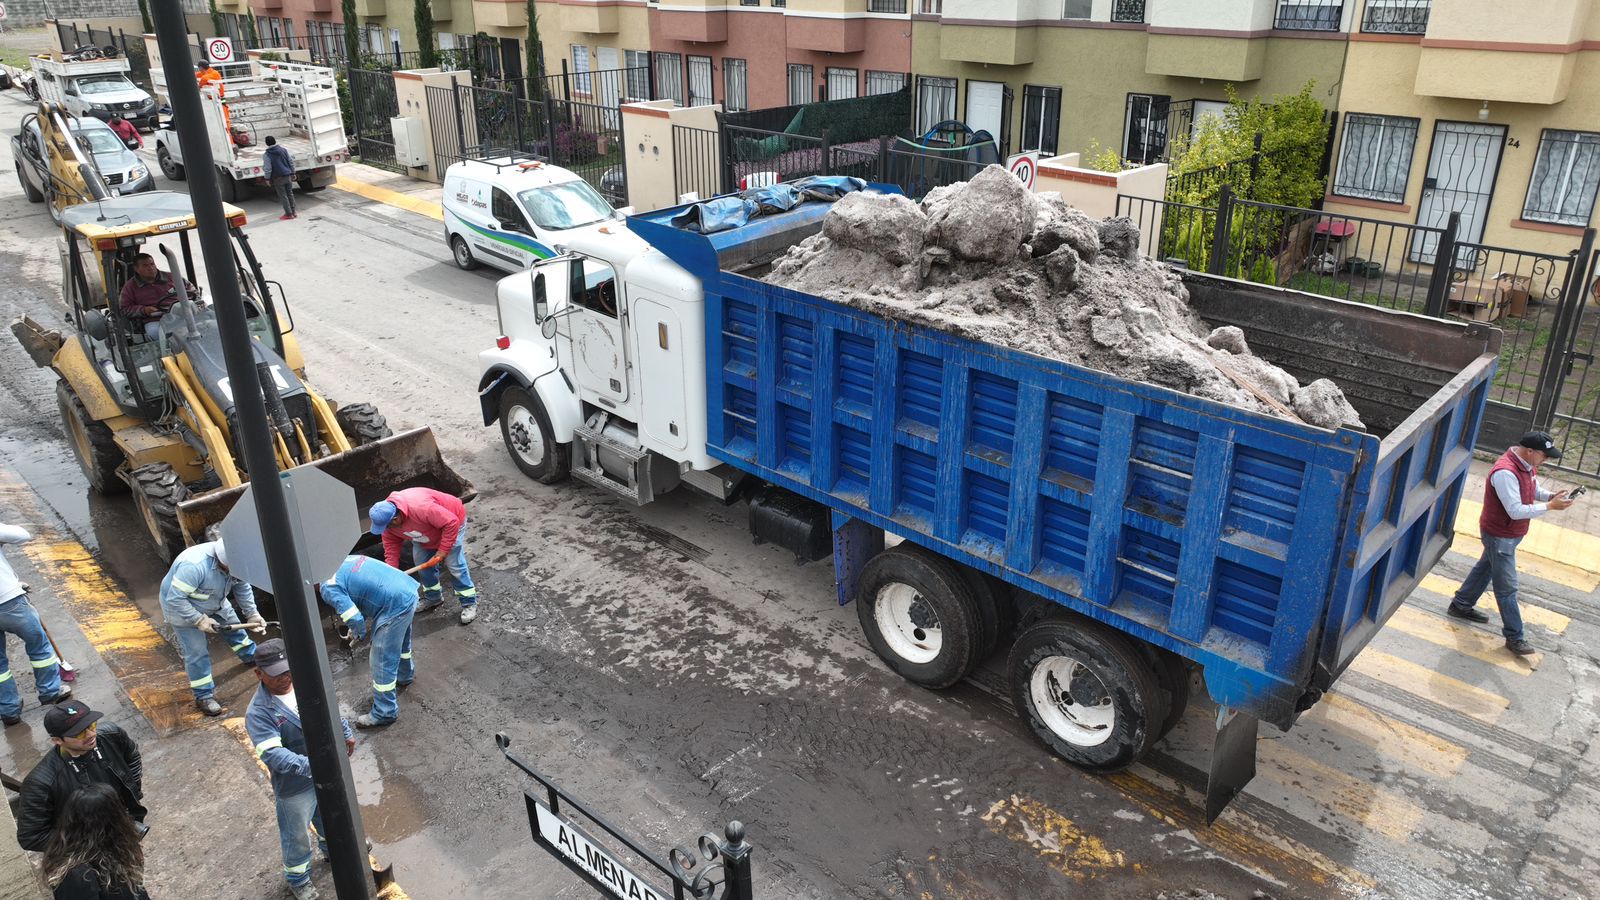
(1545,540)
(391,198)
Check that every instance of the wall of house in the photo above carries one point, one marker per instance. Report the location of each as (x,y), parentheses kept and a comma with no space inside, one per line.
(633,33)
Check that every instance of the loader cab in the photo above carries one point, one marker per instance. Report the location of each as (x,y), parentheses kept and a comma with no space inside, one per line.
(100,243)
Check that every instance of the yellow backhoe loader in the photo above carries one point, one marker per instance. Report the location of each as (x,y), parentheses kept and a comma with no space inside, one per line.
(151,410)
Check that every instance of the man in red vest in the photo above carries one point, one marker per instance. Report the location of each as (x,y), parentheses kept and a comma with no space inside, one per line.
(1511,498)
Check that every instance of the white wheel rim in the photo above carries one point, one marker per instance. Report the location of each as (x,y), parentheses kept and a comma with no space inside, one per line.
(527,442)
(1077,723)
(461,253)
(908,623)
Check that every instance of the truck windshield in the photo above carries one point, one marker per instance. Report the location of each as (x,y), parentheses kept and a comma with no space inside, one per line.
(568,205)
(104,84)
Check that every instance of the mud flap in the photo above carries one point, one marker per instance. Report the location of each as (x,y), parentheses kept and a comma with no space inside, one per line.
(1233,760)
(854,543)
(406,460)
(37,341)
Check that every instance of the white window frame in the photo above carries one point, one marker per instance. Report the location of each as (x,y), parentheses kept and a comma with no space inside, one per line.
(843,75)
(582,81)
(735,100)
(1568,158)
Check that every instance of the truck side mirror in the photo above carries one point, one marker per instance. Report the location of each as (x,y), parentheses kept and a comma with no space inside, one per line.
(541,298)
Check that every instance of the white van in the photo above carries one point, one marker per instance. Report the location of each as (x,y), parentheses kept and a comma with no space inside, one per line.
(511,212)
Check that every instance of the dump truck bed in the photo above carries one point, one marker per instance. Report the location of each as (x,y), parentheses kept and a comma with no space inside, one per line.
(1266,550)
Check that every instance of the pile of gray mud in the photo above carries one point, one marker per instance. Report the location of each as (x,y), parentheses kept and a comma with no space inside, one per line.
(990,261)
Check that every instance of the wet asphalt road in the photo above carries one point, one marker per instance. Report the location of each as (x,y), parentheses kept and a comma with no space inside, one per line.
(674,676)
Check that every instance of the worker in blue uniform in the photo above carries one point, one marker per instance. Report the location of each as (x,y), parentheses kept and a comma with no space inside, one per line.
(376,600)
(194,601)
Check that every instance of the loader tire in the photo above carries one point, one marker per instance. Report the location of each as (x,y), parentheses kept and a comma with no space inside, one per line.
(362,423)
(525,428)
(918,613)
(157,491)
(92,443)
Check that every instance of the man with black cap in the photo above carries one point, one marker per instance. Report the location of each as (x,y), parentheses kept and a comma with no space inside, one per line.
(1511,498)
(273,722)
(87,750)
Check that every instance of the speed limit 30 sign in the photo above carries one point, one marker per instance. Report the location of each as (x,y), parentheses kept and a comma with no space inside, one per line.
(219,50)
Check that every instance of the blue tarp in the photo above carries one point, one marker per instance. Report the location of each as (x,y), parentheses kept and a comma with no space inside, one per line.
(723,213)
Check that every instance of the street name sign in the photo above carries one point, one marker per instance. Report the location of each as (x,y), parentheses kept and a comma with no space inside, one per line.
(566,840)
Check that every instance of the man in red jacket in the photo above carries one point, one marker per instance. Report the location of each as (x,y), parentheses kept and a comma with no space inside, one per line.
(436,525)
(1511,498)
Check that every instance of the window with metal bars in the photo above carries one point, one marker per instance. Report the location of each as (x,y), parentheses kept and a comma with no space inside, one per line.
(735,85)
(936,101)
(1309,15)
(800,81)
(931,7)
(582,81)
(886,6)
(1041,118)
(1127,10)
(884,82)
(1396,16)
(669,76)
(700,81)
(1144,138)
(1375,157)
(1566,175)
(843,84)
(638,80)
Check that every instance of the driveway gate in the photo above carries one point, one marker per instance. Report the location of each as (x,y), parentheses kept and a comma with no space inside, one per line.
(372,105)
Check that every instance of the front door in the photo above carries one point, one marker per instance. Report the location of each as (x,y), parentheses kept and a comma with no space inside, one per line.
(1461,170)
(600,354)
(986,107)
(608,91)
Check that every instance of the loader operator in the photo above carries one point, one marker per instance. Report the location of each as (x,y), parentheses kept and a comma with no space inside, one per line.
(435,523)
(147,296)
(194,601)
(376,600)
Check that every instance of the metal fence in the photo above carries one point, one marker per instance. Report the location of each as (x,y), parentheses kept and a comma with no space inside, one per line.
(1309,15)
(372,104)
(756,154)
(1536,299)
(697,161)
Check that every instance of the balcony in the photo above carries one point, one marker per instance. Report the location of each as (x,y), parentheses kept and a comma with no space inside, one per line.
(372,9)
(1396,16)
(1309,15)
(710,27)
(443,10)
(827,35)
(990,46)
(488,14)
(590,19)
(270,4)
(1501,52)
(321,6)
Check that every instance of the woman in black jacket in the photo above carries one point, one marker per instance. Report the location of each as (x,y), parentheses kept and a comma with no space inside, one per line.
(94,853)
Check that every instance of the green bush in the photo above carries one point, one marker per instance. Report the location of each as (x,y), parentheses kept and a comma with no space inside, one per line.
(1294,136)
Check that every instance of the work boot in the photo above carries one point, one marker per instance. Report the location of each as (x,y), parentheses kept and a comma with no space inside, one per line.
(9,721)
(432,600)
(365,720)
(307,891)
(1470,613)
(65,693)
(1520,648)
(468,613)
(209,706)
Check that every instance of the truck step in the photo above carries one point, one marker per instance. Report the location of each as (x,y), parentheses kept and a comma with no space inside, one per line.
(588,440)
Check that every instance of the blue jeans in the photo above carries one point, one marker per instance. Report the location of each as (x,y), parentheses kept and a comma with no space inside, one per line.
(197,656)
(456,562)
(295,813)
(17,617)
(391,665)
(1499,566)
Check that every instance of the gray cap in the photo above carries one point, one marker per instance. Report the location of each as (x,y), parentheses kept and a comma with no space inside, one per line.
(271,657)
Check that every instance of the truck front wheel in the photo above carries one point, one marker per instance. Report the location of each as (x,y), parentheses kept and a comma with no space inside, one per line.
(525,427)
(920,616)
(169,166)
(1086,693)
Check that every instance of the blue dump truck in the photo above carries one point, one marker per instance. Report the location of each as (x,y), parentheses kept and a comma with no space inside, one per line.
(1117,536)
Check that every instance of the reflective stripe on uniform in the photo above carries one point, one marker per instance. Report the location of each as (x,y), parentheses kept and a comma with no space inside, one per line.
(268,744)
(241,645)
(5,676)
(469,592)
(406,655)
(301,869)
(194,592)
(432,590)
(201,682)
(350,613)
(384,688)
(44,663)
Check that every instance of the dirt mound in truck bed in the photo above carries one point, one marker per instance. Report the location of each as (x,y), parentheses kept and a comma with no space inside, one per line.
(990,261)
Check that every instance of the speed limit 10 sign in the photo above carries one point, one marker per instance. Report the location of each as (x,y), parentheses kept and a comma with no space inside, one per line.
(1025,166)
(219,50)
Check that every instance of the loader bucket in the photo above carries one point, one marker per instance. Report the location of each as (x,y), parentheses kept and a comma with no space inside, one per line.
(38,342)
(405,460)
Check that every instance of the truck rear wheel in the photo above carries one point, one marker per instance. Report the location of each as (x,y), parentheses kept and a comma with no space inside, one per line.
(920,616)
(92,443)
(157,491)
(1086,693)
(230,187)
(525,427)
(169,166)
(362,423)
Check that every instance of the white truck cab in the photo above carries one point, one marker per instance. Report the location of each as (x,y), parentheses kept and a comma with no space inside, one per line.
(600,370)
(97,88)
(511,212)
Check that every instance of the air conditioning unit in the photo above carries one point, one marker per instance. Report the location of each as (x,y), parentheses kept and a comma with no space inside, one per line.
(409,147)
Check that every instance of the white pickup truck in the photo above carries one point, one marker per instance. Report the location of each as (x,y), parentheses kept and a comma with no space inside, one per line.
(93,88)
(295,103)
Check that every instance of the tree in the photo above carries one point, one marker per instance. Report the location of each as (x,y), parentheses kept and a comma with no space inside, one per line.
(352,31)
(144,16)
(216,19)
(422,11)
(1294,136)
(535,66)
(252,37)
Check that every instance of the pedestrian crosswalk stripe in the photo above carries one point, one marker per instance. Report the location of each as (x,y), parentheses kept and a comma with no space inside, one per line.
(1446,588)
(1352,799)
(1460,638)
(1403,742)
(1469,699)
(1546,540)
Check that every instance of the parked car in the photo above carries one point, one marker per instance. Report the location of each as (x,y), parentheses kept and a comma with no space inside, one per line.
(123,170)
(510,212)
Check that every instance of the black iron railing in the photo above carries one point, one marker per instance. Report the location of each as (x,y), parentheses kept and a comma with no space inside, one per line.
(886,6)
(697,161)
(1396,16)
(1127,11)
(1309,15)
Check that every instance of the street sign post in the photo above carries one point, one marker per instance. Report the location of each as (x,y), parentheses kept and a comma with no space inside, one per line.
(284,561)
(323,521)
